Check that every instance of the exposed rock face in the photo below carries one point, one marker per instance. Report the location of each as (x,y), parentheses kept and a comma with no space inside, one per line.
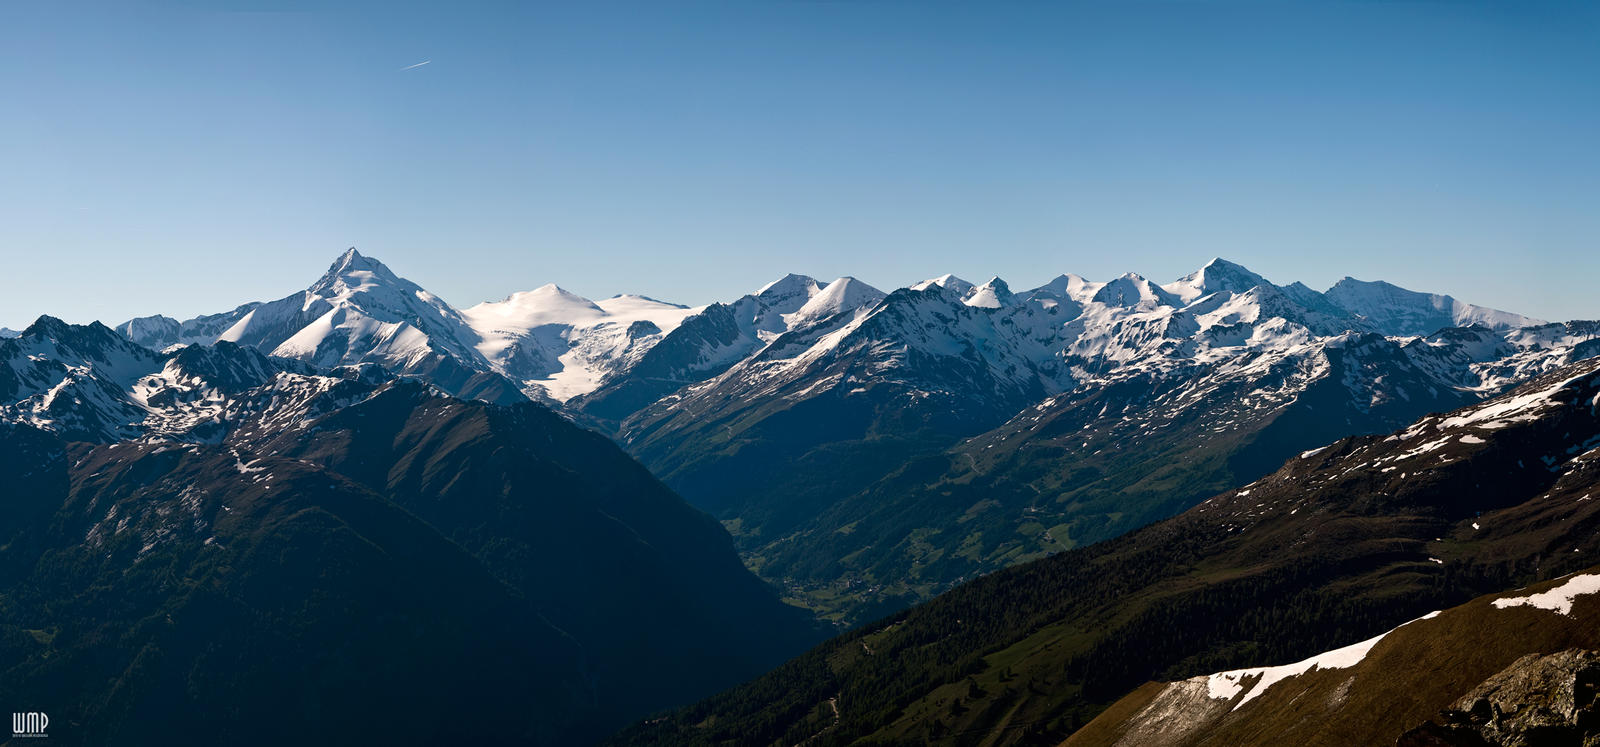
(1537,701)
(1177,712)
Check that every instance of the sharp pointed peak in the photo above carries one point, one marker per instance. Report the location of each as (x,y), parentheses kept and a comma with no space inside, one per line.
(1219,262)
(351,262)
(45,324)
(844,294)
(1218,275)
(350,259)
(1219,265)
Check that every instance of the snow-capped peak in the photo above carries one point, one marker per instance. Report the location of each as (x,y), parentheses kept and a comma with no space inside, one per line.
(524,310)
(1133,290)
(1070,286)
(948,282)
(1217,275)
(7,332)
(558,344)
(842,295)
(353,272)
(359,311)
(789,286)
(1397,311)
(991,295)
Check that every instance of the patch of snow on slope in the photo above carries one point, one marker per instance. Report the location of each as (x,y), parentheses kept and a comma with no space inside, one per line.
(1524,407)
(1558,599)
(1227,685)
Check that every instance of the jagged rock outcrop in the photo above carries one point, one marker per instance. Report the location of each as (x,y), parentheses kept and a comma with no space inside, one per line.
(1537,701)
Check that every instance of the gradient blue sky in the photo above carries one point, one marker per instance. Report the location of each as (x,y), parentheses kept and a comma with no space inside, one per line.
(177,158)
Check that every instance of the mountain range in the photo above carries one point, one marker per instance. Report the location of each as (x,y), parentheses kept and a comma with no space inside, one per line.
(590,485)
(871,449)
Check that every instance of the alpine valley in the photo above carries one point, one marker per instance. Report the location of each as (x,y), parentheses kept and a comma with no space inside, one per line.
(542,519)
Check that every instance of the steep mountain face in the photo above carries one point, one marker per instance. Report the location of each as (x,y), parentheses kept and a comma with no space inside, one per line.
(622,598)
(358,312)
(75,380)
(88,383)
(361,312)
(1342,543)
(991,295)
(842,397)
(652,587)
(1107,457)
(159,584)
(712,341)
(1512,668)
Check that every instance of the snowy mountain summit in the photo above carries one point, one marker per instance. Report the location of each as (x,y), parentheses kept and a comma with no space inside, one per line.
(621,354)
(558,344)
(1402,312)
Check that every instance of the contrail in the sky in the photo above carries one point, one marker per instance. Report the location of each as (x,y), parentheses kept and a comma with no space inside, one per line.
(420,64)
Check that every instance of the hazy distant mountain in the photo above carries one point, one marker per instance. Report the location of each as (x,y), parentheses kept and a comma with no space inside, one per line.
(158,332)
(1398,311)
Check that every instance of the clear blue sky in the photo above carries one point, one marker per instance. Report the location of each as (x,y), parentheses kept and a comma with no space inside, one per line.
(172,157)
